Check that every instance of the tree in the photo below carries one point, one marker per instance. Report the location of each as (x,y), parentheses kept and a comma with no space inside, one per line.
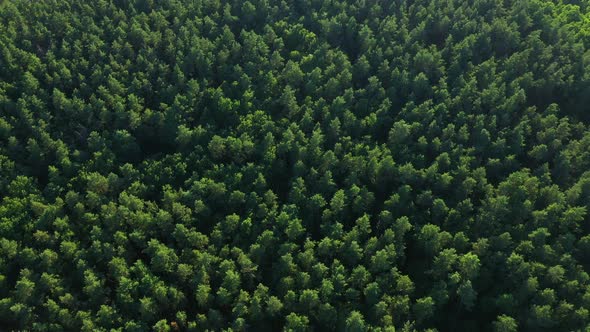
(467,295)
(296,322)
(355,322)
(423,309)
(505,324)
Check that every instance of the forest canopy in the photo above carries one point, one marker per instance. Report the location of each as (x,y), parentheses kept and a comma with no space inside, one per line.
(308,165)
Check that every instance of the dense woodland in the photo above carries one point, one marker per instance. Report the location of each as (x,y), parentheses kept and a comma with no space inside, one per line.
(297,165)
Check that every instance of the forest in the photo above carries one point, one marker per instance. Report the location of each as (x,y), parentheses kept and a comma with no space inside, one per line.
(295,165)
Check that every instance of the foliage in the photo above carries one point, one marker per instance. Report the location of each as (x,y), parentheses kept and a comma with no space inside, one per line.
(294,165)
